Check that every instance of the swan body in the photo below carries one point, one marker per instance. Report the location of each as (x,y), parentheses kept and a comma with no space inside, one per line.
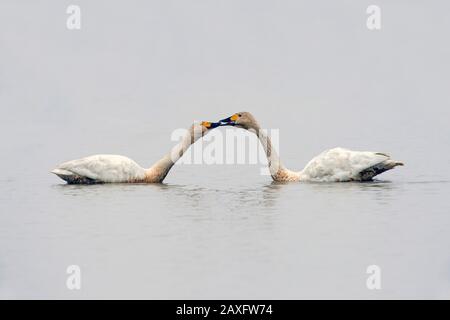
(106,168)
(339,164)
(333,165)
(102,168)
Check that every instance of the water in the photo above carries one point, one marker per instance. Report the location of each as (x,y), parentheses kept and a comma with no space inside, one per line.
(222,237)
(134,73)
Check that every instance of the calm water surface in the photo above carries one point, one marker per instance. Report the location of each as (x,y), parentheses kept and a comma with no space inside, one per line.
(231,234)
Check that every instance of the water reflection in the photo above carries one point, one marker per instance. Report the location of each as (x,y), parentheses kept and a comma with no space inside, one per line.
(261,196)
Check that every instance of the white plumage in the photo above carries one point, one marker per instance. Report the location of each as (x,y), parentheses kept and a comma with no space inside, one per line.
(105,168)
(341,164)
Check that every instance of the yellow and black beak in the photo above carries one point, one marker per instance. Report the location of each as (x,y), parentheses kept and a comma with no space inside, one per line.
(230,121)
(210,125)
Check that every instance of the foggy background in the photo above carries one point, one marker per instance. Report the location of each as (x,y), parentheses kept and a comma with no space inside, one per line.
(137,70)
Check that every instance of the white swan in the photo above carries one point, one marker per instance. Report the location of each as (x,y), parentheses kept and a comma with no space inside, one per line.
(119,169)
(334,165)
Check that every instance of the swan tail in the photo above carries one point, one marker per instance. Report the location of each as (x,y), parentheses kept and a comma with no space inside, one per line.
(72,178)
(58,172)
(369,173)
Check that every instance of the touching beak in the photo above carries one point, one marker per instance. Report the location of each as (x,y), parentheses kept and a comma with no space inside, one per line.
(210,125)
(230,121)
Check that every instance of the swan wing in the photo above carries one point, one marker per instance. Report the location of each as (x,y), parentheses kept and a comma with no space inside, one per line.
(341,164)
(103,168)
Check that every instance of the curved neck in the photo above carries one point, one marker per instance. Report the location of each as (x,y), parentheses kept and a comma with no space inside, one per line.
(161,168)
(274,162)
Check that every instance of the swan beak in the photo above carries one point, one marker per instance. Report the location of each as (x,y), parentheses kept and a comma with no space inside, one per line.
(210,125)
(230,121)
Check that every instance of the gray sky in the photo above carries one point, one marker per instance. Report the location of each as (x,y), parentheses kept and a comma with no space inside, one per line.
(137,70)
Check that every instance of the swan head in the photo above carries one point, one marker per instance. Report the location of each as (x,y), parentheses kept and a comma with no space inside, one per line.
(244,120)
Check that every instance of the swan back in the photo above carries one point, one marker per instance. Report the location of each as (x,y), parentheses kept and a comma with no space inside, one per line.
(103,168)
(341,164)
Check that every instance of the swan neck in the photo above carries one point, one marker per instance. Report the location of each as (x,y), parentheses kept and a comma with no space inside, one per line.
(274,162)
(161,168)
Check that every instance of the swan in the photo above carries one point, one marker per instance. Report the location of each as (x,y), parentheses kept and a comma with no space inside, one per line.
(106,168)
(333,165)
